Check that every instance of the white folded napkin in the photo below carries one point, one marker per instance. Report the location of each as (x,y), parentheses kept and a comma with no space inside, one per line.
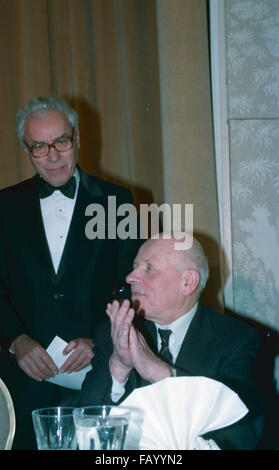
(172,414)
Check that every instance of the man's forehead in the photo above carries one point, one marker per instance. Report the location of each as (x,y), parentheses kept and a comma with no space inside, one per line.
(54,121)
(155,249)
(54,116)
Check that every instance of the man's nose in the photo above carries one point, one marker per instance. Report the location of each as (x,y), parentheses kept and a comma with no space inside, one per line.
(133,276)
(53,154)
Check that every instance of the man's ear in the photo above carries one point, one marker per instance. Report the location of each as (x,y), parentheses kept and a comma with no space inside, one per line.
(77,138)
(25,149)
(191,280)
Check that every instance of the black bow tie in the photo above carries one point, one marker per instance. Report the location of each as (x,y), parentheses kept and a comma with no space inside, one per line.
(68,189)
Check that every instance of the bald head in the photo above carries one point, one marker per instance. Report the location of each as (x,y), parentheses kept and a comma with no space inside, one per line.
(166,282)
(188,254)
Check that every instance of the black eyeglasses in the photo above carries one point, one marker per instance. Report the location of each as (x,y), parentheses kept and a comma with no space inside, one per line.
(61,144)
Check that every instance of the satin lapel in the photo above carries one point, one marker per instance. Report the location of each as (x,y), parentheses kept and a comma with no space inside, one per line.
(199,336)
(90,185)
(150,333)
(32,227)
(76,246)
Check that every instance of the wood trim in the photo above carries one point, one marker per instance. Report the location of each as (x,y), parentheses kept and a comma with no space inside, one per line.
(221,137)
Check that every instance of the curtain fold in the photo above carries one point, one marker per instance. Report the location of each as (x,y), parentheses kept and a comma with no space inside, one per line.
(187,131)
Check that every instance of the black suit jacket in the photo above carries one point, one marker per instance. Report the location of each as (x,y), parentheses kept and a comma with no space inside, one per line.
(33,298)
(215,346)
(36,301)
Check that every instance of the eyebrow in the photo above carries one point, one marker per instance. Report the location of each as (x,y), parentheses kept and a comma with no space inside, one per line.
(146,261)
(57,138)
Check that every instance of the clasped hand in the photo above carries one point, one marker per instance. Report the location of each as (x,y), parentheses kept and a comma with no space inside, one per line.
(130,350)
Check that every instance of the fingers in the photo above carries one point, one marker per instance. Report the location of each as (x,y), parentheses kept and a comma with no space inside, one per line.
(134,342)
(81,350)
(75,363)
(121,317)
(121,330)
(117,310)
(108,309)
(33,359)
(140,351)
(70,347)
(123,338)
(149,366)
(38,365)
(118,316)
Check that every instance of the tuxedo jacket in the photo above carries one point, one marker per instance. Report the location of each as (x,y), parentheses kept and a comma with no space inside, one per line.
(215,346)
(37,301)
(33,298)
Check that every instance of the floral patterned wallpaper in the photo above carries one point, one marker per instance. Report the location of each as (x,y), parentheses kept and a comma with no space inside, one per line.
(252,41)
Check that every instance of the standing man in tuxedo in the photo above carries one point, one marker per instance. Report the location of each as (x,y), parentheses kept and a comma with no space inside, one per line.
(173,334)
(54,280)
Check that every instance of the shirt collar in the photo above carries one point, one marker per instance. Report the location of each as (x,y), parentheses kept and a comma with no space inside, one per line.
(180,326)
(77,176)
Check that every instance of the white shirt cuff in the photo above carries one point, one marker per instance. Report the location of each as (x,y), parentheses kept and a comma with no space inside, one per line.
(117,390)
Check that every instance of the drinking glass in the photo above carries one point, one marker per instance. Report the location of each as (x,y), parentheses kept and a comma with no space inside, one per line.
(101,427)
(54,428)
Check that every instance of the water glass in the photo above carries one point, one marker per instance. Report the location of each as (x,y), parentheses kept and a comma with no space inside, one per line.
(54,428)
(101,427)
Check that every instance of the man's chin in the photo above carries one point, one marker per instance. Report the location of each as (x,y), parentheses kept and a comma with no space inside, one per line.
(139,309)
(57,182)
(57,176)
(136,305)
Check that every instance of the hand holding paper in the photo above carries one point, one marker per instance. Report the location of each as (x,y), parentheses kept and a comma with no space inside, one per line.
(71,380)
(33,359)
(82,353)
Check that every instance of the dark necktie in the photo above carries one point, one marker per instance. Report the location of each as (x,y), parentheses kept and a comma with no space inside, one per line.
(164,351)
(68,189)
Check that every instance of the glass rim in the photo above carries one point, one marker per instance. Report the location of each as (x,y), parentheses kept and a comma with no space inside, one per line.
(78,410)
(44,411)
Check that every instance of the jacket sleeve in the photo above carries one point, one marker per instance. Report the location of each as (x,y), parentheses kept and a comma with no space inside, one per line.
(11,325)
(236,372)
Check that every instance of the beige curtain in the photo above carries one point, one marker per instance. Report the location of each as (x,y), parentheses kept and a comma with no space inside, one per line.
(137,71)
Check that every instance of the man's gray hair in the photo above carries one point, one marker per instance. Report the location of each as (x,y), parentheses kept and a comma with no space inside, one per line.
(198,260)
(44,105)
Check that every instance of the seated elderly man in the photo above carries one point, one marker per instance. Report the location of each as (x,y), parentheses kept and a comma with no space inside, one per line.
(173,334)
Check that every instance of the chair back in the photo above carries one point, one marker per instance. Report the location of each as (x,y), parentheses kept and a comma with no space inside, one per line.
(7,418)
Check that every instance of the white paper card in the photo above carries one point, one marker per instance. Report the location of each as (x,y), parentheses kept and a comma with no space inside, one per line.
(74,379)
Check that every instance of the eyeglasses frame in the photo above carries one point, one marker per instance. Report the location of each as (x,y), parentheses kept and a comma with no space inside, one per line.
(72,138)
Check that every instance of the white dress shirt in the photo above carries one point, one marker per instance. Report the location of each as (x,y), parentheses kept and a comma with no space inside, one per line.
(179,329)
(57,211)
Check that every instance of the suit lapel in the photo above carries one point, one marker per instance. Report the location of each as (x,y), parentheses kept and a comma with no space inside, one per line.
(194,349)
(149,332)
(196,344)
(88,193)
(90,184)
(36,245)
